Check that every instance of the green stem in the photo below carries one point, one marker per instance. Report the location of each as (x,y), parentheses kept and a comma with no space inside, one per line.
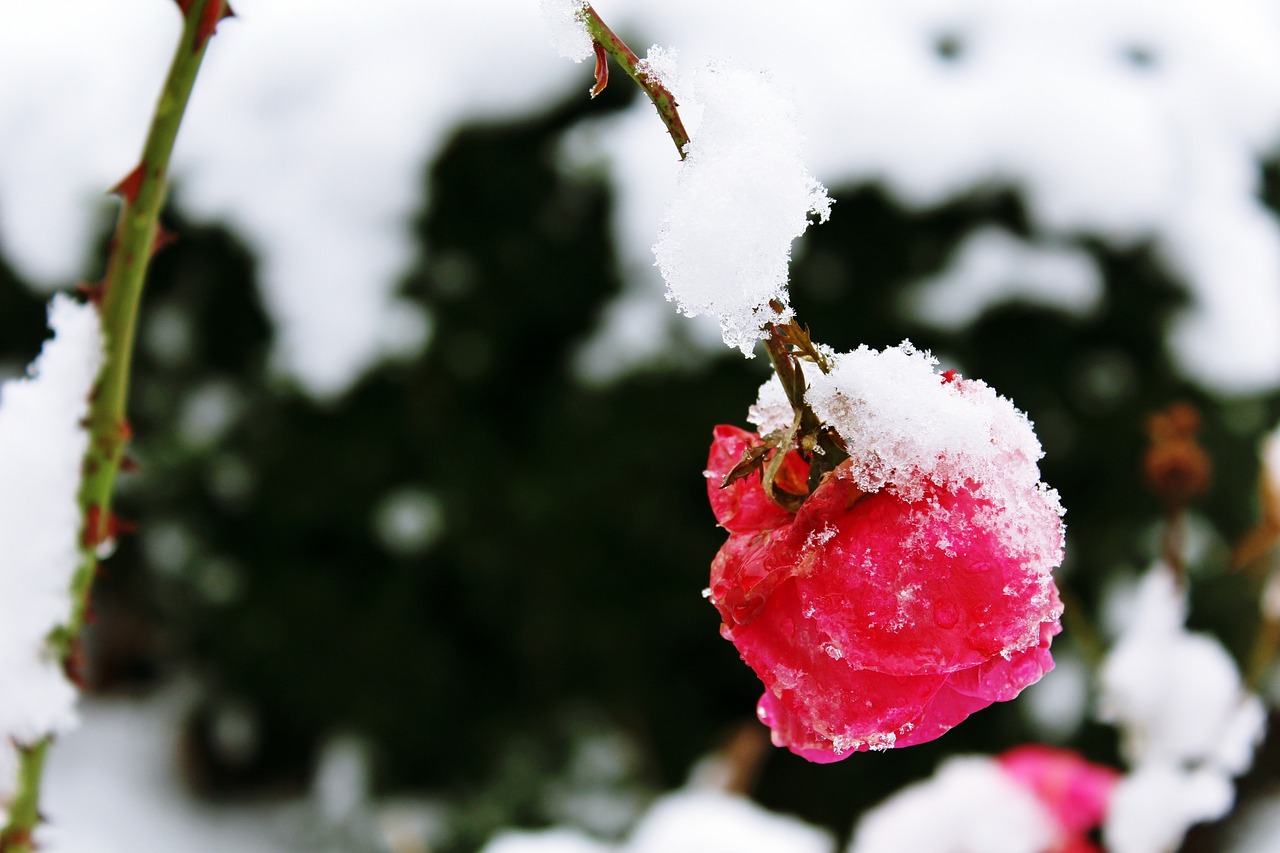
(120,294)
(787,366)
(24,811)
(1263,654)
(625,57)
(1266,643)
(135,239)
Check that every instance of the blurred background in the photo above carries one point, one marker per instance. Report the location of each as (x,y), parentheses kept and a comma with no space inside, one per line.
(422,528)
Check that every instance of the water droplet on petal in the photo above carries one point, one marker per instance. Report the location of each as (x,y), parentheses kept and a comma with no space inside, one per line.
(945,614)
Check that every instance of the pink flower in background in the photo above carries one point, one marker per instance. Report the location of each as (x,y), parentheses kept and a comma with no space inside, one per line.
(912,587)
(1075,792)
(1033,799)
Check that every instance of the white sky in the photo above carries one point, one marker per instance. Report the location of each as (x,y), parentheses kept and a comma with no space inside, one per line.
(313,119)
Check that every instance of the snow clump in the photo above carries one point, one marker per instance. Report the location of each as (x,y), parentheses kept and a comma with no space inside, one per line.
(567,29)
(969,805)
(694,819)
(904,424)
(742,197)
(1187,724)
(42,447)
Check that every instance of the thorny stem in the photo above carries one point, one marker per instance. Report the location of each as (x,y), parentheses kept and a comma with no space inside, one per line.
(625,57)
(143,194)
(786,343)
(137,231)
(788,368)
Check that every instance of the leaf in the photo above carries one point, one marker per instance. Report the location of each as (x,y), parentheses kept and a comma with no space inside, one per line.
(751,461)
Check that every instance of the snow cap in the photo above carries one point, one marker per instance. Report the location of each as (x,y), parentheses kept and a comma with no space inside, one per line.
(743,196)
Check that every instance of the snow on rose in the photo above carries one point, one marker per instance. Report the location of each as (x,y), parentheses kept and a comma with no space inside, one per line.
(912,587)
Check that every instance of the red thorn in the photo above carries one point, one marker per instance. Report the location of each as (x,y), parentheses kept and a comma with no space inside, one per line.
(74,663)
(90,537)
(128,464)
(164,237)
(949,376)
(214,13)
(128,188)
(95,532)
(94,292)
(12,839)
(602,70)
(125,431)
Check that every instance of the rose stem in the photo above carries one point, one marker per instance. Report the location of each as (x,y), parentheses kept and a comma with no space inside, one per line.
(137,230)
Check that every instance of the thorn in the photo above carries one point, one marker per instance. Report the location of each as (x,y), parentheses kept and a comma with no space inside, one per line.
(95,292)
(164,237)
(74,664)
(602,69)
(129,465)
(89,536)
(125,431)
(214,13)
(96,533)
(128,187)
(13,839)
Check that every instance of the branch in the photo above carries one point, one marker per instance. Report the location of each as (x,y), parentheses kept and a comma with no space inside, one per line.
(138,235)
(787,344)
(625,57)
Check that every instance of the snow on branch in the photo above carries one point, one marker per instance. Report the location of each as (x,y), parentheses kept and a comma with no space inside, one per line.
(564,21)
(744,195)
(42,447)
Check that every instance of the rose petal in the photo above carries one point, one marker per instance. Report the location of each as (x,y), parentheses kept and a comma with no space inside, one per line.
(742,506)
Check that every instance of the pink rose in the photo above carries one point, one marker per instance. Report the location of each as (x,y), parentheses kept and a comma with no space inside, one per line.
(876,620)
(1074,791)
